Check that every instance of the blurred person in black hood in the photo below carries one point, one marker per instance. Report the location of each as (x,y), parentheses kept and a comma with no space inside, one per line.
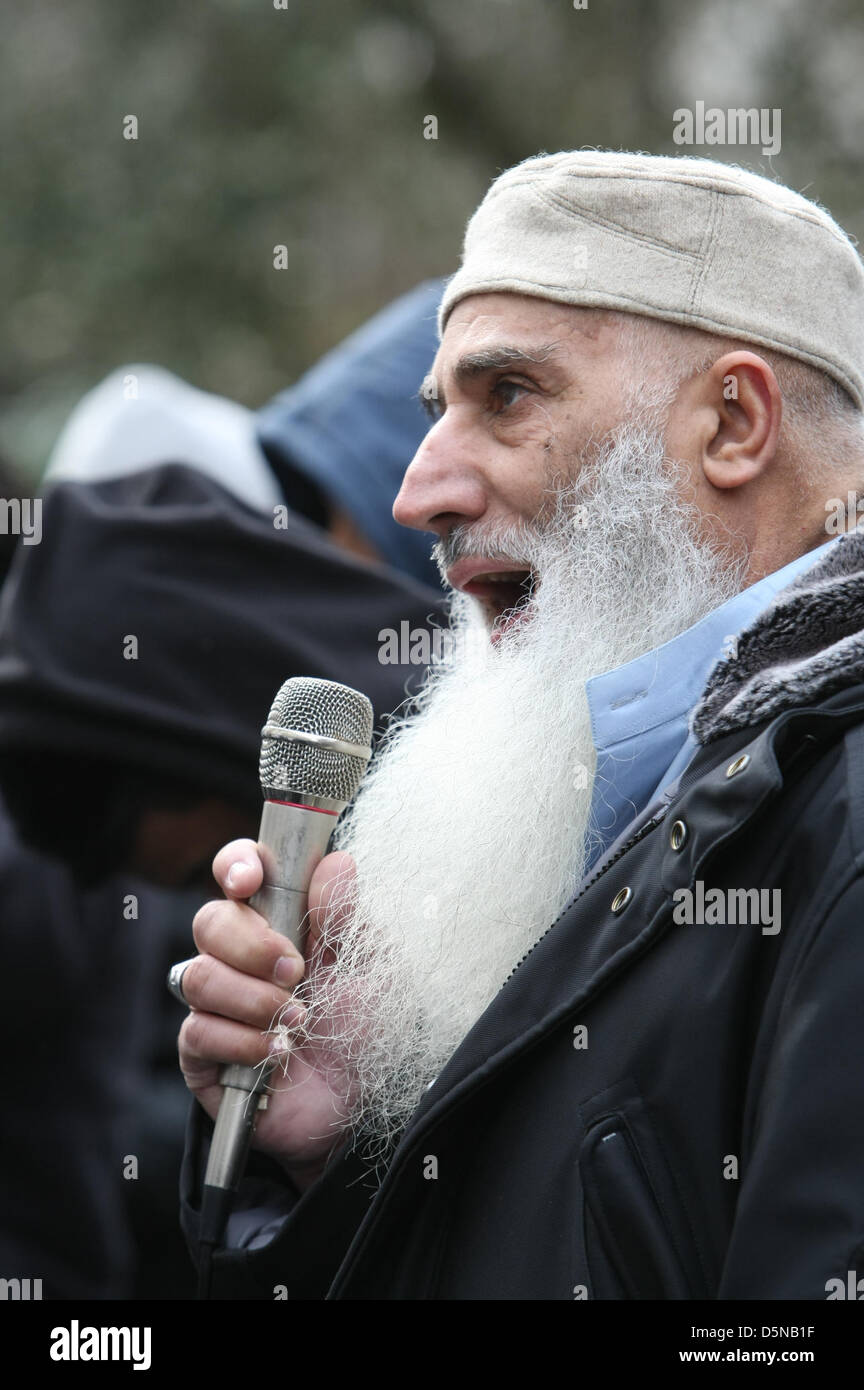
(140,648)
(294,506)
(179,582)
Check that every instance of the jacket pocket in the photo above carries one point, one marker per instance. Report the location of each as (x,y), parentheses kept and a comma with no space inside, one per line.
(636,1217)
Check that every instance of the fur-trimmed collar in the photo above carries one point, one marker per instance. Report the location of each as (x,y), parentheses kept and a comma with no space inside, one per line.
(805,646)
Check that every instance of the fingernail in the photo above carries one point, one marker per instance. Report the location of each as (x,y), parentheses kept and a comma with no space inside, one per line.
(287,970)
(289,1019)
(235,873)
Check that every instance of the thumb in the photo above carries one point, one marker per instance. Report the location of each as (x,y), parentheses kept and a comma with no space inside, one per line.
(330,892)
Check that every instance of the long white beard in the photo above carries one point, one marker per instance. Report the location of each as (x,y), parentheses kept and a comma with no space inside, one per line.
(469,833)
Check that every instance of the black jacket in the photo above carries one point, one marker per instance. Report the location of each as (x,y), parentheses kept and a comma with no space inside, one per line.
(708,1142)
(224,607)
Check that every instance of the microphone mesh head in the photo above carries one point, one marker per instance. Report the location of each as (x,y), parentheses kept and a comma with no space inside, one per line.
(315,707)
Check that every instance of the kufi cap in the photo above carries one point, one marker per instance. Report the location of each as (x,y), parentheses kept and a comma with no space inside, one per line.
(687,240)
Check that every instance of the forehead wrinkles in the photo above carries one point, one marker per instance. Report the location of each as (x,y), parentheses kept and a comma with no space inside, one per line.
(527,323)
(511,315)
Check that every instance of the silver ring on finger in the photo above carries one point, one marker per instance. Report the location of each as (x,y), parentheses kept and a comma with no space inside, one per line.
(175,980)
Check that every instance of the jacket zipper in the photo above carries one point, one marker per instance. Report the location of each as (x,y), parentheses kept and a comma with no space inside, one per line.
(589,883)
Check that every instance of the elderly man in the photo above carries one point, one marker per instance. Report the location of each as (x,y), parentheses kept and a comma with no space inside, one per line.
(579,1014)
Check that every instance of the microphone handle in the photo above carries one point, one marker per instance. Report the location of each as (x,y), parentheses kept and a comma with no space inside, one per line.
(292,841)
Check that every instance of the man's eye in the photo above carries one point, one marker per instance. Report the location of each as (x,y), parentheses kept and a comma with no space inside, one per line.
(505,391)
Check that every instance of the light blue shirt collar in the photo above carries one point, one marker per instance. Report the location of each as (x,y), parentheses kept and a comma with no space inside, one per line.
(640,711)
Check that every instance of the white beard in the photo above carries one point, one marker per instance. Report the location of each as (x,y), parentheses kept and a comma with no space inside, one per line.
(469,832)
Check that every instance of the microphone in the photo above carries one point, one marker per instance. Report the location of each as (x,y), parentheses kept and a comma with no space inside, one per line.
(314,750)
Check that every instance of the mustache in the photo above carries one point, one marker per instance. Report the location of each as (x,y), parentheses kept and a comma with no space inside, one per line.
(521,541)
(516,541)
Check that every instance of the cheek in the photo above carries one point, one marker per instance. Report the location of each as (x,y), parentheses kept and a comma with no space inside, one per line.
(534,425)
(520,481)
(524,458)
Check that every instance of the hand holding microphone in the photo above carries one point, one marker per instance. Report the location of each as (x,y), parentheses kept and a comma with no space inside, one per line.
(242,980)
(314,751)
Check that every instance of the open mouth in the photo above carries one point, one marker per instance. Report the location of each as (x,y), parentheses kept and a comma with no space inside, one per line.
(503,591)
(502,594)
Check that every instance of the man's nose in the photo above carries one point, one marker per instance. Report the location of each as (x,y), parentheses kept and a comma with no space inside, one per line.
(441,489)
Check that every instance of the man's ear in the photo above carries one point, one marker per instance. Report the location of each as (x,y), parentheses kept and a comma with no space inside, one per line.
(741,391)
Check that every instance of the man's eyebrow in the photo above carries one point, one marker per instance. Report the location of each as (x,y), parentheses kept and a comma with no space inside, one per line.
(473,364)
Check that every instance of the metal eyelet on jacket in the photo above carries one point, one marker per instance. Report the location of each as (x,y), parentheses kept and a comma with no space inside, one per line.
(678,835)
(621,899)
(738,765)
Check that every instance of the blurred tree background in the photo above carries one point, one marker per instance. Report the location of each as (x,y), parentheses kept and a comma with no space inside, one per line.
(303,126)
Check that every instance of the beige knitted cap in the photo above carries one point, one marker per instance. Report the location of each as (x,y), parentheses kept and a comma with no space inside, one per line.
(683,239)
